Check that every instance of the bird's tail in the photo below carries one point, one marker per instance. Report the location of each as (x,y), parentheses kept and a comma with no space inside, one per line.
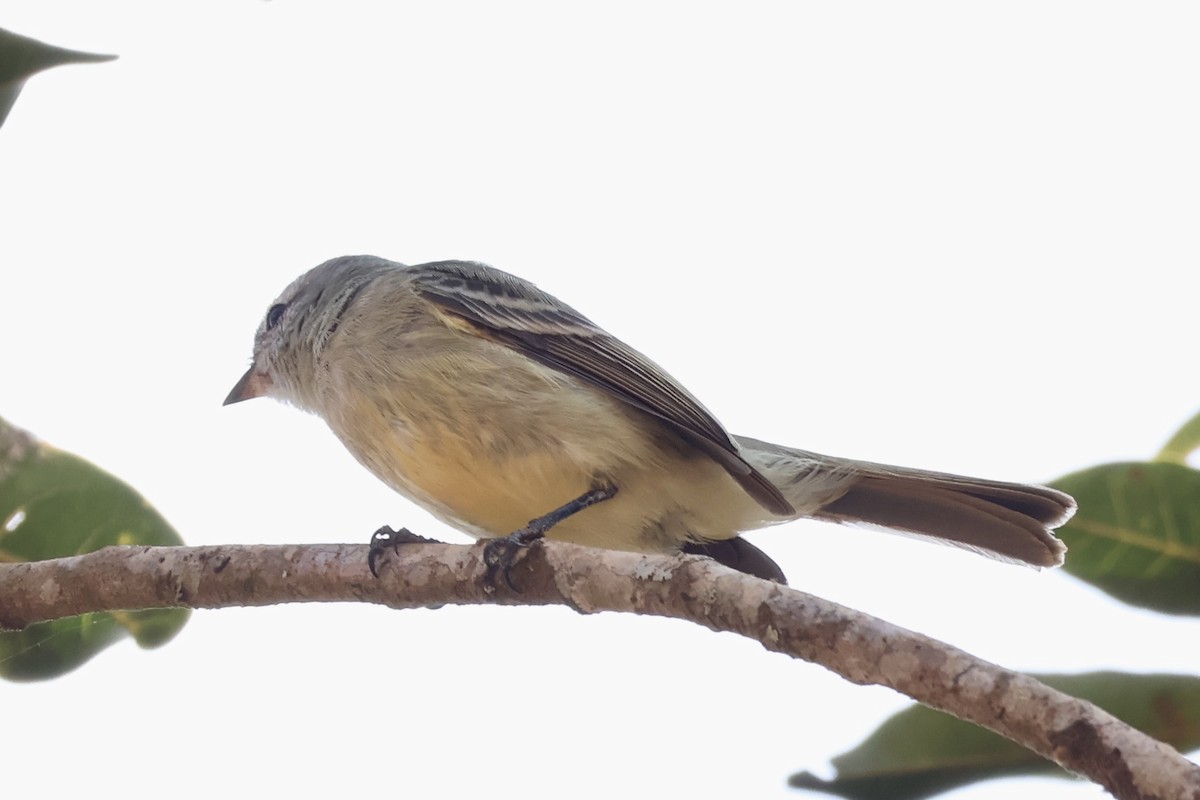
(1009,521)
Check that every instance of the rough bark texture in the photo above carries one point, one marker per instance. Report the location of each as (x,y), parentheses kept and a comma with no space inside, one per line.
(1074,733)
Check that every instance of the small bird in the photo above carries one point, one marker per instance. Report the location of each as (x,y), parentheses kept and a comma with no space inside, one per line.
(492,404)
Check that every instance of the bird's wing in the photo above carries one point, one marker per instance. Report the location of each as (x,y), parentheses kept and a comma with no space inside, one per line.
(512,311)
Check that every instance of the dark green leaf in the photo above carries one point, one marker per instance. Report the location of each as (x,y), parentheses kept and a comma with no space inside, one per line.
(21,57)
(1182,444)
(55,504)
(8,96)
(920,752)
(1137,533)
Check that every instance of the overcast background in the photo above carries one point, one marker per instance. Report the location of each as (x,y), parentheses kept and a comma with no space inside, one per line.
(947,235)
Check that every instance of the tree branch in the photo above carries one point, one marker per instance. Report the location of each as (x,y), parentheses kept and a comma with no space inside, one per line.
(1071,732)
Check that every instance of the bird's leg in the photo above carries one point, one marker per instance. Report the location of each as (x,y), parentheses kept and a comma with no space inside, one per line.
(386,539)
(500,554)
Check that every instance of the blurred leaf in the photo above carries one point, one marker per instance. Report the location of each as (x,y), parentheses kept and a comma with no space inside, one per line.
(920,752)
(55,504)
(1137,533)
(21,57)
(1182,444)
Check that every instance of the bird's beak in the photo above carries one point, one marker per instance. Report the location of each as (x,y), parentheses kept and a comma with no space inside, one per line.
(252,384)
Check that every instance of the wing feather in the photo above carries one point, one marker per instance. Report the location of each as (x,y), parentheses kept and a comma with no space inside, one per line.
(550,332)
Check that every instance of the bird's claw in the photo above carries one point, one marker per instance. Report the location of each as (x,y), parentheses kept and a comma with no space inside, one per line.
(386,539)
(499,555)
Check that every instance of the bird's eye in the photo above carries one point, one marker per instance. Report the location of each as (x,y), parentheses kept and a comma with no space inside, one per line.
(274,314)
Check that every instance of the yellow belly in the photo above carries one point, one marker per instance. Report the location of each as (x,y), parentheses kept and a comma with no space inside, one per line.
(658,506)
(488,464)
(490,497)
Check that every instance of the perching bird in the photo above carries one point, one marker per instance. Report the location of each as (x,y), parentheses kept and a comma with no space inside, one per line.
(491,403)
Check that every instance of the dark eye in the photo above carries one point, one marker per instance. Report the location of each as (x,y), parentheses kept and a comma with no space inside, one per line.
(274,314)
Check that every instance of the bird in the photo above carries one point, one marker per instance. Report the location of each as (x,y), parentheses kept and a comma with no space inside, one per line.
(504,412)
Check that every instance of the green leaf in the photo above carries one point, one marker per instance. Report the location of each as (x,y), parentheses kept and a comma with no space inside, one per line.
(1182,444)
(920,752)
(56,504)
(1137,533)
(21,57)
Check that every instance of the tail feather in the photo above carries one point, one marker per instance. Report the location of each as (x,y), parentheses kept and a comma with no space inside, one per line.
(1008,521)
(1003,523)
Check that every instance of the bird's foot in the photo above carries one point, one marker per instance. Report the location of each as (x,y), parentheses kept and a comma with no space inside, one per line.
(500,554)
(386,539)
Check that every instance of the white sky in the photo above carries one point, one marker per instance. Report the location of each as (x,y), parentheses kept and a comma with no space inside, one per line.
(957,236)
